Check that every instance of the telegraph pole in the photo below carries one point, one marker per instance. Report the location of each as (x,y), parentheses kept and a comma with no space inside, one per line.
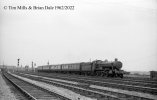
(33,68)
(3,64)
(48,63)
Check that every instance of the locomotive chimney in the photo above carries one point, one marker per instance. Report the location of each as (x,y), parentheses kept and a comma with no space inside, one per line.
(116,59)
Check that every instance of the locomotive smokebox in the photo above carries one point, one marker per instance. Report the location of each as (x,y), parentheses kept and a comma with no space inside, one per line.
(118,64)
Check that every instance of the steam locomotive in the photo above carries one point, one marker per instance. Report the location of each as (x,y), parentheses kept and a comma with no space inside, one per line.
(94,68)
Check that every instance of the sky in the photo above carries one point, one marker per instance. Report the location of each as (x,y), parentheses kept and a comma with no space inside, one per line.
(95,29)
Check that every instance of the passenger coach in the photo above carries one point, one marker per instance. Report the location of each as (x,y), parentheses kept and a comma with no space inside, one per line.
(97,67)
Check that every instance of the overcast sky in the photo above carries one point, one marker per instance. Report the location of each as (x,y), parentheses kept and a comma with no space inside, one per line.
(96,29)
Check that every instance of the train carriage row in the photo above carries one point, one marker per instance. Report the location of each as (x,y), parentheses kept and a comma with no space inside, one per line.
(97,67)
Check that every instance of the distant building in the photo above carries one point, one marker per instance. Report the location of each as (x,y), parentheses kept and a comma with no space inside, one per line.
(26,68)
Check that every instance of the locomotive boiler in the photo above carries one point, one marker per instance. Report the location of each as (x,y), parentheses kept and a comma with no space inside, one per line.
(94,68)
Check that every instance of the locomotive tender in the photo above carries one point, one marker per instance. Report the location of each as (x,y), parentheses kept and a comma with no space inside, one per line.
(95,68)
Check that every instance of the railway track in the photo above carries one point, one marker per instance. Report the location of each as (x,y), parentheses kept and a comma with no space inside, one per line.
(120,84)
(144,83)
(31,91)
(98,89)
(125,79)
(86,93)
(146,88)
(18,95)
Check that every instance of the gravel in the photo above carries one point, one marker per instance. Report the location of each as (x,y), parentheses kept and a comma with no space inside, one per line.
(5,92)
